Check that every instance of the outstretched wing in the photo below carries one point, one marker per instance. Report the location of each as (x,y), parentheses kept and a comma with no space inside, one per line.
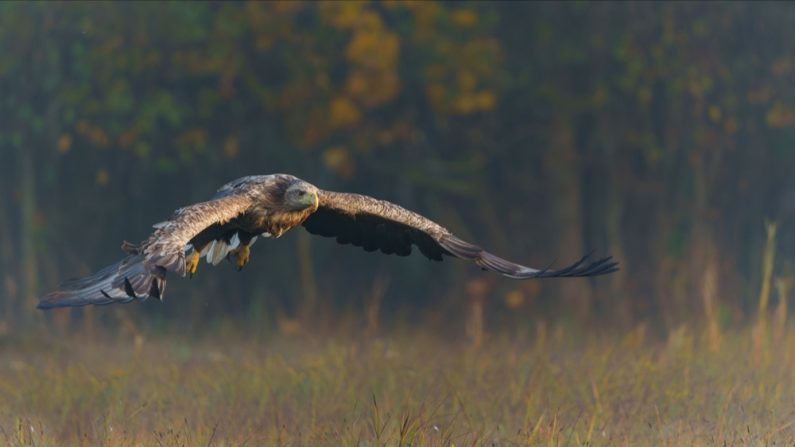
(142,274)
(375,224)
(213,225)
(166,246)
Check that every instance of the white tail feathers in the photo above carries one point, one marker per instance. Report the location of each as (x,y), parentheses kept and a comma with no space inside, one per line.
(122,282)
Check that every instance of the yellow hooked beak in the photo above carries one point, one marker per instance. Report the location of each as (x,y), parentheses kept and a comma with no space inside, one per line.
(310,200)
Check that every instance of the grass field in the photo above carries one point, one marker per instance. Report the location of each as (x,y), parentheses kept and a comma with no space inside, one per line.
(417,389)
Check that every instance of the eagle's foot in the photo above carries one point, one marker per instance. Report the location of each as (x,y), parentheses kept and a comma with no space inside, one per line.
(239,256)
(192,262)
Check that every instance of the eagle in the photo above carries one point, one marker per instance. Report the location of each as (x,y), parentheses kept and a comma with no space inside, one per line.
(226,226)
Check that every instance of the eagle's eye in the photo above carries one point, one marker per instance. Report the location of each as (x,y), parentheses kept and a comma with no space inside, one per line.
(301,193)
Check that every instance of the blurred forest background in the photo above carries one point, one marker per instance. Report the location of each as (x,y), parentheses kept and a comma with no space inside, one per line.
(659,133)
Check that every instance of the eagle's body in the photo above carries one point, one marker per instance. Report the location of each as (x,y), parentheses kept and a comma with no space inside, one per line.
(225,226)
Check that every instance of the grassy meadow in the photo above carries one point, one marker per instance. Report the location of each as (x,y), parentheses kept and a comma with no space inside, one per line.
(411,388)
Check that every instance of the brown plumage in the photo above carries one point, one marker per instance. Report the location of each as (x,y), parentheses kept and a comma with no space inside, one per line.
(269,205)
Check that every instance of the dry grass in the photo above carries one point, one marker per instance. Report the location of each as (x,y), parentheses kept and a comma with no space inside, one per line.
(401,390)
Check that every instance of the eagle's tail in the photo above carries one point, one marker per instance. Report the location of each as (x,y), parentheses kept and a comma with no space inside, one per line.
(127,280)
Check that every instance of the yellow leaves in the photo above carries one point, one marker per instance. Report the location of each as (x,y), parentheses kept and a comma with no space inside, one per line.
(102,177)
(286,7)
(472,102)
(514,299)
(372,88)
(321,96)
(270,22)
(781,115)
(436,95)
(64,143)
(373,52)
(645,95)
(339,160)
(426,18)
(700,86)
(782,67)
(714,113)
(342,15)
(460,80)
(191,140)
(435,71)
(600,96)
(111,45)
(731,125)
(464,18)
(522,294)
(128,137)
(467,80)
(372,45)
(760,94)
(199,61)
(343,112)
(486,100)
(92,133)
(466,102)
(231,147)
(263,42)
(463,97)
(312,130)
(193,137)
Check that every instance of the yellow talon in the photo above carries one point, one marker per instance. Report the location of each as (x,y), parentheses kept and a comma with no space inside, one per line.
(240,256)
(192,262)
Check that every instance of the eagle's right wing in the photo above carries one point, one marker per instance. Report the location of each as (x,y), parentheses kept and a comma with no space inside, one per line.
(375,224)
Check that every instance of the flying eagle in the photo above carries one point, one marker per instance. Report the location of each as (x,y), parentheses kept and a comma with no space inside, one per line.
(226,226)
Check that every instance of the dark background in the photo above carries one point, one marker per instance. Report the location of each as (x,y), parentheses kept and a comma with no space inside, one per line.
(660,133)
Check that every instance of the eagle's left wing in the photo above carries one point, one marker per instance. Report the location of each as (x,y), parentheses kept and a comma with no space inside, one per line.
(166,246)
(375,224)
(142,274)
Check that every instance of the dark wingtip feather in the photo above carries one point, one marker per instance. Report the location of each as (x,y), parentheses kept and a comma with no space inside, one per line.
(486,260)
(599,267)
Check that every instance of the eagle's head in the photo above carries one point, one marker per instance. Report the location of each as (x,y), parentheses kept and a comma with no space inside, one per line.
(301,195)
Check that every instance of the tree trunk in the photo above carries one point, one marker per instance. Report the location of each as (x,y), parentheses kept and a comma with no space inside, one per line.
(564,178)
(704,265)
(9,284)
(27,234)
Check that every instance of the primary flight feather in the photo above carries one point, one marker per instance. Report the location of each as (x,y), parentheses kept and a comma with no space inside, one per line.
(226,226)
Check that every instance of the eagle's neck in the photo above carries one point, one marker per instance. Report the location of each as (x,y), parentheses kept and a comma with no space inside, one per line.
(279,222)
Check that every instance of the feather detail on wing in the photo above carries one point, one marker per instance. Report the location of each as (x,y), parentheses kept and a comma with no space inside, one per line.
(375,224)
(166,246)
(142,274)
(488,261)
(122,282)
